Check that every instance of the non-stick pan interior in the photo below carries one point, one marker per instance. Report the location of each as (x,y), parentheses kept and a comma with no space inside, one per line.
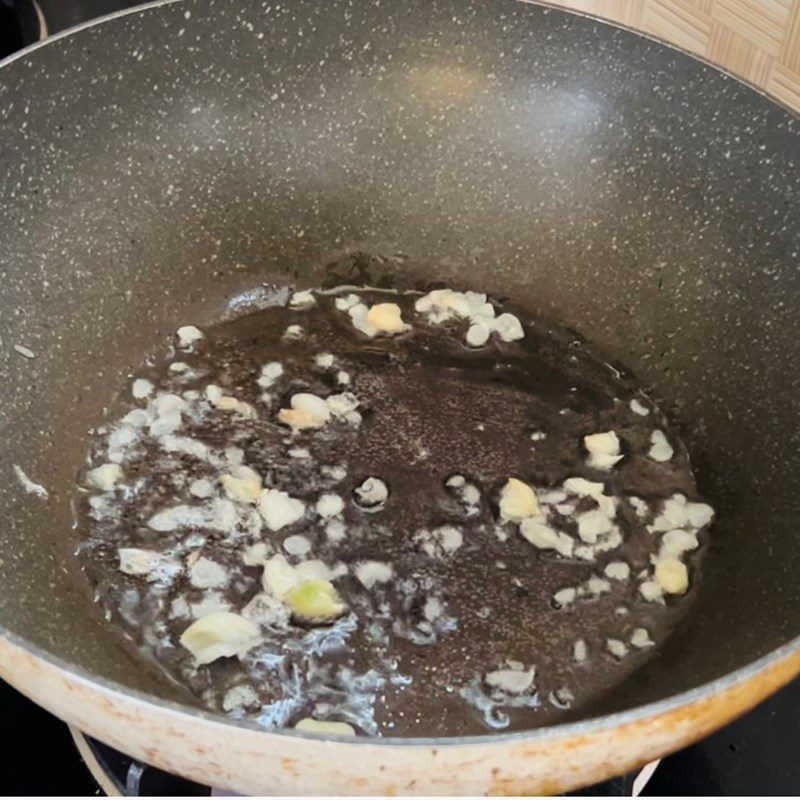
(161,164)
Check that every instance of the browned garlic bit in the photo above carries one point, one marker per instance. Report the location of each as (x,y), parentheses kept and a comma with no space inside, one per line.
(383,318)
(307,411)
(386,318)
(518,501)
(672,575)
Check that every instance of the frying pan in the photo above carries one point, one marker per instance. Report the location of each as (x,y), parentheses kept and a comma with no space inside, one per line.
(160,166)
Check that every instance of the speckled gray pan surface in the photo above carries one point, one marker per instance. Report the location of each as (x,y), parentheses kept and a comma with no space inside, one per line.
(159,164)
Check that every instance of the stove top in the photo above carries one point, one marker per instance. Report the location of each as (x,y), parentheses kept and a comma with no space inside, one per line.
(757,755)
(754,756)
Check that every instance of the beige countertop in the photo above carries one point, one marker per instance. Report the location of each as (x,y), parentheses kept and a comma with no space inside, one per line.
(758,40)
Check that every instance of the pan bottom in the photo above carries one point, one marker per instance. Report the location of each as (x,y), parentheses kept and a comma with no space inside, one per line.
(354,509)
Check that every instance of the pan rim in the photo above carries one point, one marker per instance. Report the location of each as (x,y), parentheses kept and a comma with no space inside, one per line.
(592,725)
(548,5)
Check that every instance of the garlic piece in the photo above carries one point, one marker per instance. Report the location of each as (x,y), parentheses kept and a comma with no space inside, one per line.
(293,332)
(661,449)
(699,514)
(675,543)
(508,328)
(104,477)
(439,542)
(188,335)
(279,577)
(227,403)
(340,405)
(358,316)
(640,638)
(141,388)
(580,652)
(335,530)
(278,509)
(220,635)
(617,648)
(512,681)
(639,408)
(307,411)
(371,495)
(329,505)
(315,602)
(651,591)
(672,575)
(304,299)
(150,564)
(584,488)
(518,501)
(296,545)
(324,360)
(617,571)
(478,334)
(242,485)
(255,555)
(541,535)
(325,727)
(264,609)
(592,524)
(208,574)
(565,597)
(347,302)
(386,318)
(201,488)
(603,449)
(239,697)
(371,572)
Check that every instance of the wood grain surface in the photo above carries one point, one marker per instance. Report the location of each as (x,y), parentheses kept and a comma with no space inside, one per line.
(758,40)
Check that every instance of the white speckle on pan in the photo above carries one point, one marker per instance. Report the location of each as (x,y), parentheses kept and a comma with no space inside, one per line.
(28,485)
(24,351)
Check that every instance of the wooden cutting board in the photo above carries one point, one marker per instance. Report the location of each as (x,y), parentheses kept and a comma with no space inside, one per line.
(758,40)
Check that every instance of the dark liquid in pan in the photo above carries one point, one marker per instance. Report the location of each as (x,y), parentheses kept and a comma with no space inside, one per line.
(431,408)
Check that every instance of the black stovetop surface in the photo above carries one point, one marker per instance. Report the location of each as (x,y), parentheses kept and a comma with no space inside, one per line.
(757,755)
